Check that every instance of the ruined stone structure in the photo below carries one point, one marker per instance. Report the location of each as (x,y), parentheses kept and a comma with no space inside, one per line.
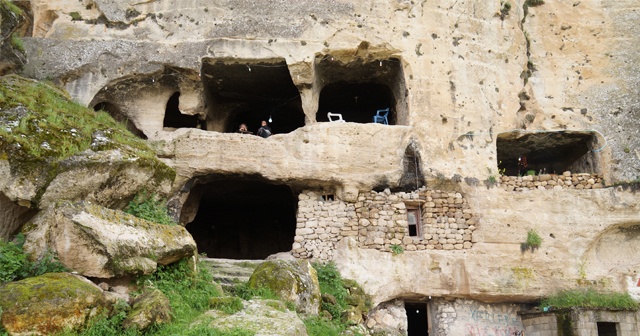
(473,87)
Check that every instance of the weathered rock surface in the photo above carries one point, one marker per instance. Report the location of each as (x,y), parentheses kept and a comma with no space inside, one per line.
(98,242)
(263,317)
(12,217)
(13,26)
(47,304)
(150,308)
(581,230)
(294,281)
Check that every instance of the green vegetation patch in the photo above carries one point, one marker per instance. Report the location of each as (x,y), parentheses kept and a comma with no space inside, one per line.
(39,123)
(590,298)
(14,264)
(150,207)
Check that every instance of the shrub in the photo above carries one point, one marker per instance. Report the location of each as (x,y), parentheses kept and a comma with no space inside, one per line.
(14,264)
(396,249)
(590,298)
(150,207)
(531,173)
(331,283)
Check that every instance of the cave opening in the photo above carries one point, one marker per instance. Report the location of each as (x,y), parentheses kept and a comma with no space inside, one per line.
(120,117)
(174,118)
(357,89)
(250,91)
(240,218)
(552,152)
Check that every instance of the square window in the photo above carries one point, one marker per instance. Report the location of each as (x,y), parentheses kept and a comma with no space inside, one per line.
(607,329)
(414,221)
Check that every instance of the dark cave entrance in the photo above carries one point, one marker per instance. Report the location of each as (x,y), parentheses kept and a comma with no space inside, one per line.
(548,152)
(355,101)
(358,88)
(242,219)
(173,117)
(249,91)
(120,117)
(417,318)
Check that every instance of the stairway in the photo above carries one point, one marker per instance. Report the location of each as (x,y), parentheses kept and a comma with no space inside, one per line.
(228,272)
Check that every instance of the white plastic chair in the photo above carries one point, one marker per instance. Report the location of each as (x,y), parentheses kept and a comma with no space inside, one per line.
(338,115)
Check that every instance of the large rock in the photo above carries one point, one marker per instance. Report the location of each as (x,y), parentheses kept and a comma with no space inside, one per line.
(294,281)
(150,308)
(47,304)
(262,317)
(103,243)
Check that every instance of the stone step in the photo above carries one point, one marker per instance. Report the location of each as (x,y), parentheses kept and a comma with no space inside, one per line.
(228,272)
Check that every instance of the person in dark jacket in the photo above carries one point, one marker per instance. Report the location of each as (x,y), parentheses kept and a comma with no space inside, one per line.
(264,131)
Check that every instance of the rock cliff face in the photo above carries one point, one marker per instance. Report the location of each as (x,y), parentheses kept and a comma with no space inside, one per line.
(476,90)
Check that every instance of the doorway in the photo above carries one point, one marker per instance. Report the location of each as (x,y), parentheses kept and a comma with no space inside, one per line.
(417,318)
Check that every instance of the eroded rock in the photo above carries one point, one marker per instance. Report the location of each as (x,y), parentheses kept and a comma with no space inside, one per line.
(150,308)
(263,317)
(103,243)
(47,304)
(294,281)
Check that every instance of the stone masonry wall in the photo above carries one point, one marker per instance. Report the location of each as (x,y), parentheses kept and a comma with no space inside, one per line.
(582,322)
(552,181)
(378,220)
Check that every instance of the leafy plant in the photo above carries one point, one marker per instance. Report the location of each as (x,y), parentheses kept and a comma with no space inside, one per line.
(17,42)
(15,265)
(531,173)
(150,207)
(533,242)
(245,292)
(590,298)
(75,16)
(396,249)
(331,284)
(317,326)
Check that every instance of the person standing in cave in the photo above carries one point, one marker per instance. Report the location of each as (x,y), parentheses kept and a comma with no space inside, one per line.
(264,130)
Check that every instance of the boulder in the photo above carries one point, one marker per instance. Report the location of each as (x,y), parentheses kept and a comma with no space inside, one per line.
(49,303)
(103,243)
(150,308)
(294,281)
(262,317)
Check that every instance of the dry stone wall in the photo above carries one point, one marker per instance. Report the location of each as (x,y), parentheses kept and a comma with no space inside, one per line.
(552,181)
(378,220)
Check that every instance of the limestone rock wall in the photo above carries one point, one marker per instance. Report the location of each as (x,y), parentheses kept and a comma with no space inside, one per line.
(552,181)
(469,72)
(378,220)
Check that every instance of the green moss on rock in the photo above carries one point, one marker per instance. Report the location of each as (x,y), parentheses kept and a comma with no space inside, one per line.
(150,308)
(49,303)
(294,281)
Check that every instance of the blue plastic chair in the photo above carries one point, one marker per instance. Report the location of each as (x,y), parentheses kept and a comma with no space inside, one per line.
(381,118)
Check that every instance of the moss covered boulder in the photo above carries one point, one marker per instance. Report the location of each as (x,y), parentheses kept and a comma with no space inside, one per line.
(150,308)
(47,304)
(103,243)
(52,148)
(260,317)
(292,280)
(13,25)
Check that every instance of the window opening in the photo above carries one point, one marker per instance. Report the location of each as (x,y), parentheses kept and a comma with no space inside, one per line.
(607,328)
(417,318)
(414,220)
(173,117)
(328,197)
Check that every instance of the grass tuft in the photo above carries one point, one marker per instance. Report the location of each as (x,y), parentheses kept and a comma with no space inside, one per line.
(590,298)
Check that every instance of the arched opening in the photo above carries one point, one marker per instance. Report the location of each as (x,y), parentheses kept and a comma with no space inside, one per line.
(522,153)
(357,89)
(240,218)
(120,117)
(173,117)
(249,91)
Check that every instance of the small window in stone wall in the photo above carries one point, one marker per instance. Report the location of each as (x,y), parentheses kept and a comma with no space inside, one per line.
(328,197)
(414,221)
